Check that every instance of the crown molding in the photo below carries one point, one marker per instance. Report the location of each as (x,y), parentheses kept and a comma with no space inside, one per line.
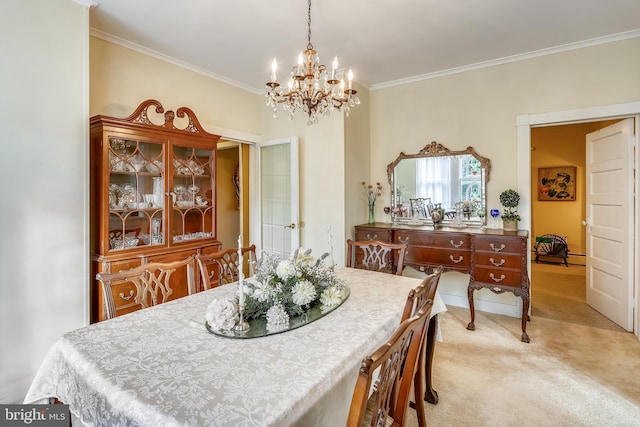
(136,47)
(87,3)
(507,59)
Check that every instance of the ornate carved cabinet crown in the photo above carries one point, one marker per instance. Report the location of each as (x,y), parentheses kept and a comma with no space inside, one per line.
(153,195)
(495,259)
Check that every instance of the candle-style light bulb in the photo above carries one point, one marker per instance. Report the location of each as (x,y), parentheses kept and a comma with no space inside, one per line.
(334,67)
(350,77)
(300,60)
(274,68)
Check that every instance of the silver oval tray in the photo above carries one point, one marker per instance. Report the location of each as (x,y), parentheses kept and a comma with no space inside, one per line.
(258,327)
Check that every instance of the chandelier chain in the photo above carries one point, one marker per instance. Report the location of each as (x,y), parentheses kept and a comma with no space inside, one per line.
(309,45)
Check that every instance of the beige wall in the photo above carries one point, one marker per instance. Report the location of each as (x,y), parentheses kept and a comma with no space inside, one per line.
(43,169)
(322,185)
(357,153)
(122,78)
(479,108)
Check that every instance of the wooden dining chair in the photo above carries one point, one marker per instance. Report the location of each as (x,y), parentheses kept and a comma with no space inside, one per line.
(376,255)
(422,293)
(143,286)
(417,299)
(221,268)
(381,393)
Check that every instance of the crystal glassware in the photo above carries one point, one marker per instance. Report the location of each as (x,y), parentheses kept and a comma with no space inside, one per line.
(494,214)
(481,214)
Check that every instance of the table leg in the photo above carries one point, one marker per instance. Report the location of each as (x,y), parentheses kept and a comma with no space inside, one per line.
(525,315)
(430,395)
(471,326)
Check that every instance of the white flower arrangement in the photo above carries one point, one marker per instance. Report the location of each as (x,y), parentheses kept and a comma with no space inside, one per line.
(283,289)
(277,318)
(222,314)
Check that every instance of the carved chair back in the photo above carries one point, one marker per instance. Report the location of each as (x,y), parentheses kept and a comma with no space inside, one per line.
(221,268)
(394,363)
(418,296)
(376,255)
(151,285)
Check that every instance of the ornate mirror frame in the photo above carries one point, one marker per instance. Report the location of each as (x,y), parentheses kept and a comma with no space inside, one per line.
(434,149)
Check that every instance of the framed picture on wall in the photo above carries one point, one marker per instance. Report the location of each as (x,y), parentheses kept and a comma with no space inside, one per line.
(557,183)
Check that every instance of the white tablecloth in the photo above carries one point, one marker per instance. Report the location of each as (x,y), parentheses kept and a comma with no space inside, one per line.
(160,367)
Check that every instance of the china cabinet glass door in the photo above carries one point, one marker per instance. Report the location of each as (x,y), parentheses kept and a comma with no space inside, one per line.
(136,193)
(193,194)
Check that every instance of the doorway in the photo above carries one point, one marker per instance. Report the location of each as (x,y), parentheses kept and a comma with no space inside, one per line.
(527,122)
(558,290)
(228,195)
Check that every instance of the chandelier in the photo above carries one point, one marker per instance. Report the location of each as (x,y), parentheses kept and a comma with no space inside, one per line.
(311,88)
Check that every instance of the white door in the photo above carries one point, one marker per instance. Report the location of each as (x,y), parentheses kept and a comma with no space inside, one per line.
(609,199)
(278,220)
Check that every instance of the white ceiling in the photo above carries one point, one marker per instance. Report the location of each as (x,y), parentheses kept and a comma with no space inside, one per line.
(383,41)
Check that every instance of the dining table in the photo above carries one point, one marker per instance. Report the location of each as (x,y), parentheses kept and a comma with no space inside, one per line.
(160,366)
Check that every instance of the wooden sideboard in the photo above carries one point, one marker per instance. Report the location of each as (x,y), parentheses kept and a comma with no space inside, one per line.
(494,259)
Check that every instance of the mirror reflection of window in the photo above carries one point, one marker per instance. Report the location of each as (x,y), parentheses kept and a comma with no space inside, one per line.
(433,178)
(470,179)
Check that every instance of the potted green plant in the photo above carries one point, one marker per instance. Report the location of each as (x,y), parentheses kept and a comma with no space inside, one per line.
(510,199)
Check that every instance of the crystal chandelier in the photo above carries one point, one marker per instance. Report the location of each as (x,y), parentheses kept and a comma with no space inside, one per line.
(311,88)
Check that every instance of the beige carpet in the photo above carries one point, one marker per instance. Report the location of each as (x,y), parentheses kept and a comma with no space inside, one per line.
(569,375)
(559,293)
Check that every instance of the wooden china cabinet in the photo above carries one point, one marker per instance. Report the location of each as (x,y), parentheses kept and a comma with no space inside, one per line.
(153,194)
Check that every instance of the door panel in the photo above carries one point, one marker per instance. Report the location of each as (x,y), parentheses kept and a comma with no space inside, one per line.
(609,189)
(278,174)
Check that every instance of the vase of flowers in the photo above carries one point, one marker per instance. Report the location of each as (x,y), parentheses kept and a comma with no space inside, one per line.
(372,193)
(510,200)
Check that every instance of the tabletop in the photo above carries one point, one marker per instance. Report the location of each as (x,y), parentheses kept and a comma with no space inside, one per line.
(161,367)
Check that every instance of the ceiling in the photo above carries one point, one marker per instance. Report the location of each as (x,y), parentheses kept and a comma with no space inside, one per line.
(385,42)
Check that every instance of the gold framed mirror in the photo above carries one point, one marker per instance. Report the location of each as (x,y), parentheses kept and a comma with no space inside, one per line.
(454,181)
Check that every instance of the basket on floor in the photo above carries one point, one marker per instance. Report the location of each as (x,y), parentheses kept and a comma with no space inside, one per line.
(552,245)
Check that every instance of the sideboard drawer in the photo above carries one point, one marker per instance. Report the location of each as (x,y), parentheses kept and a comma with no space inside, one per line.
(497,276)
(499,260)
(430,239)
(450,259)
(372,233)
(498,244)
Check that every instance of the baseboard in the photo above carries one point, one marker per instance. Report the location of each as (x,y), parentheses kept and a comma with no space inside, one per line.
(483,305)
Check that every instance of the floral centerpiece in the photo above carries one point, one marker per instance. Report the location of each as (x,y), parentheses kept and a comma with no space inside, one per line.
(281,289)
(372,193)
